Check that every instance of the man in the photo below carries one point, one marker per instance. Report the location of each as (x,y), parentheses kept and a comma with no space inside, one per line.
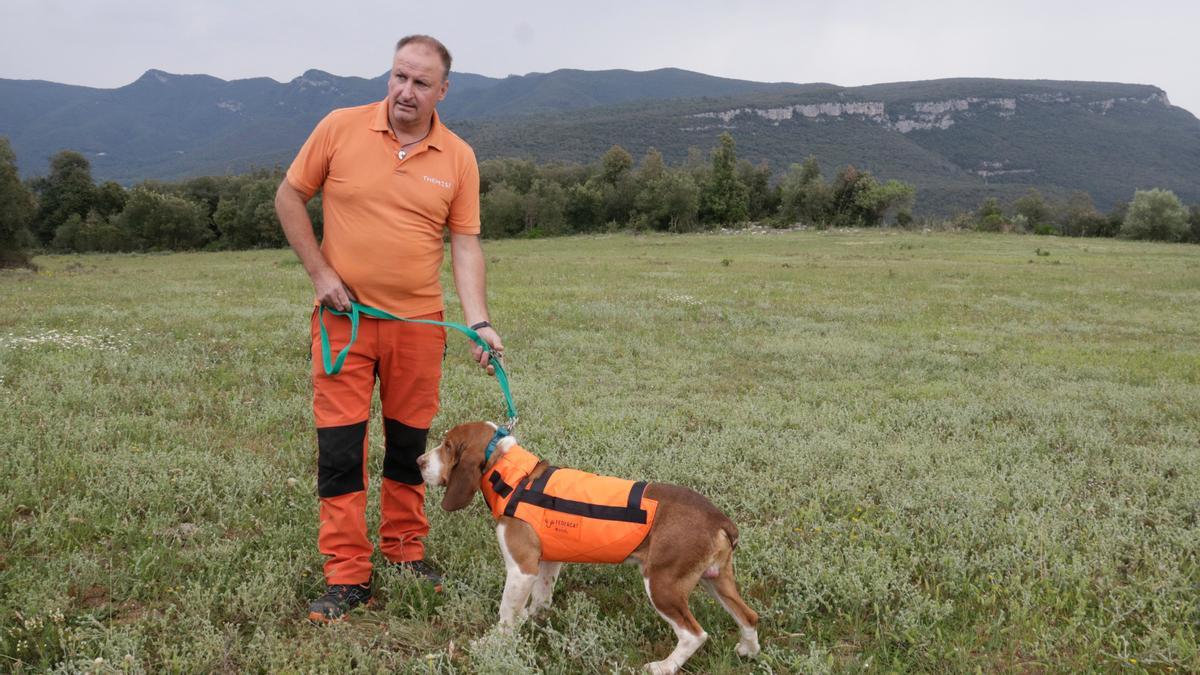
(393,178)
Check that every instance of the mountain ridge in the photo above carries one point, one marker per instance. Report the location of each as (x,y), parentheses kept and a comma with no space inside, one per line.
(956,139)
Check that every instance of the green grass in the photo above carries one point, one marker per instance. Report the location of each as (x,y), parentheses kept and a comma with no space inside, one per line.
(945,453)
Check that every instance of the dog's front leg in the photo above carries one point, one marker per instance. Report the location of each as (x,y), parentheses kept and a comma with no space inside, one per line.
(516,593)
(521,567)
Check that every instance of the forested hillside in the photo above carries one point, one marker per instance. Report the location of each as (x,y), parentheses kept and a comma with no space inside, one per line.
(959,141)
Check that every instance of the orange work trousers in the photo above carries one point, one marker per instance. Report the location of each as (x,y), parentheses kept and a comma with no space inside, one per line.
(406,359)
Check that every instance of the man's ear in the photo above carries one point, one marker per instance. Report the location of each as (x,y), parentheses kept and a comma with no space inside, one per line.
(463,481)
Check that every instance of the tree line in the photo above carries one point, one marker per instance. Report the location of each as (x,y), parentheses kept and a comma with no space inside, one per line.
(1154,214)
(520,198)
(67,211)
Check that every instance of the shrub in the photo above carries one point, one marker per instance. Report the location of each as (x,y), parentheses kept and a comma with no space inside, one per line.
(669,201)
(804,197)
(68,189)
(1155,214)
(94,233)
(724,198)
(989,218)
(16,210)
(1035,209)
(503,211)
(157,221)
(247,219)
(545,206)
(1079,217)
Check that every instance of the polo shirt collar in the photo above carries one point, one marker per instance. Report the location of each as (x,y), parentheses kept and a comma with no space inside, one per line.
(437,132)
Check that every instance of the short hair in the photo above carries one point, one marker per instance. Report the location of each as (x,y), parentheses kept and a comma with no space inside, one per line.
(432,43)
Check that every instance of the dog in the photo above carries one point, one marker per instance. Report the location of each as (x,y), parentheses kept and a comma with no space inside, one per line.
(548,515)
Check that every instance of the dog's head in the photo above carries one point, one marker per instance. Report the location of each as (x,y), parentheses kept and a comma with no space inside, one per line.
(458,463)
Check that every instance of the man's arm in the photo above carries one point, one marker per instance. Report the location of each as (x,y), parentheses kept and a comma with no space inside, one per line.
(470,281)
(298,228)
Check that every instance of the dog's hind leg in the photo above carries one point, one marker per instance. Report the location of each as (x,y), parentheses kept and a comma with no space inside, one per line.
(668,591)
(543,588)
(724,588)
(521,554)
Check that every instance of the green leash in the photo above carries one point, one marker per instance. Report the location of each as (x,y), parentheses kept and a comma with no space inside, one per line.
(334,366)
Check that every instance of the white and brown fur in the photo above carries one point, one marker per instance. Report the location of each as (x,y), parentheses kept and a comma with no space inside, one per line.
(690,541)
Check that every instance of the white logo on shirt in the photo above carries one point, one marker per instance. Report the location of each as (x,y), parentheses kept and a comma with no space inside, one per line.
(437,181)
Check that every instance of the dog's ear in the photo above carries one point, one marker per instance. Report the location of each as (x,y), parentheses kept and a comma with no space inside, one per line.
(464,478)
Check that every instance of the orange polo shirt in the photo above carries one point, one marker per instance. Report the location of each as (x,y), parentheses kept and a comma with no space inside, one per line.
(385,216)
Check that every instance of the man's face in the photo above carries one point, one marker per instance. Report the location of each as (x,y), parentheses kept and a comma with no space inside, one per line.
(417,83)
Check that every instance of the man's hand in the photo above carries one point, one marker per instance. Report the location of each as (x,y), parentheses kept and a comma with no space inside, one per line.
(330,290)
(491,337)
(293,217)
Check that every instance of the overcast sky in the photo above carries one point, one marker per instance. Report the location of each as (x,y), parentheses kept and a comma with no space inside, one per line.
(110,43)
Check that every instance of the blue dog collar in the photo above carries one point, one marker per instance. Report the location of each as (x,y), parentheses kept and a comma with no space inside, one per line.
(501,432)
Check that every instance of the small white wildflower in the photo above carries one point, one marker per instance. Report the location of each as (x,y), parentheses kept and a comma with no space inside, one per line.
(680,299)
(67,340)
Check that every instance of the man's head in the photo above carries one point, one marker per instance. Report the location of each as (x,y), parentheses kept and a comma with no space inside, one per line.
(418,80)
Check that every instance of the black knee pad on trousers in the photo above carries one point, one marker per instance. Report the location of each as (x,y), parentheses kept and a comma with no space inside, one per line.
(404,445)
(340,459)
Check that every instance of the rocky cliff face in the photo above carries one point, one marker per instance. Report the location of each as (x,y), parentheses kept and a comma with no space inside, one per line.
(917,116)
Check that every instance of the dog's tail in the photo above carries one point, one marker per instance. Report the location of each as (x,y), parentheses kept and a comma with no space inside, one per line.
(731,531)
(722,556)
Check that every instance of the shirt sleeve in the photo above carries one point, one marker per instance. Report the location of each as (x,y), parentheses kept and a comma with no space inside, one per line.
(308,171)
(464,209)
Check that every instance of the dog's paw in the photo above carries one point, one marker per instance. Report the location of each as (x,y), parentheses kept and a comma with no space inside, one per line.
(748,645)
(747,649)
(664,667)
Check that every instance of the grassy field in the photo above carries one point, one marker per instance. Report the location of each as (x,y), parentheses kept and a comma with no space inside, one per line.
(945,452)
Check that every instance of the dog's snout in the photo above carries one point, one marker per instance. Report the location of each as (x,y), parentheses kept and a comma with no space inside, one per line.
(421,460)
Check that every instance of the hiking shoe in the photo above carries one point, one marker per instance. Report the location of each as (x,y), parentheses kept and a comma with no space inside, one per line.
(339,599)
(423,570)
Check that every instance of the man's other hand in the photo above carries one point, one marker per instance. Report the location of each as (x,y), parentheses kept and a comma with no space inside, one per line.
(491,337)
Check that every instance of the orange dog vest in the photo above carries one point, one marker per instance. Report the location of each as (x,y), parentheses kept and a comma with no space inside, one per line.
(579,516)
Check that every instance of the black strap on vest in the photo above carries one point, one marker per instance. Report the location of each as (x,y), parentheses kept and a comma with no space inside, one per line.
(533,493)
(539,485)
(503,489)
